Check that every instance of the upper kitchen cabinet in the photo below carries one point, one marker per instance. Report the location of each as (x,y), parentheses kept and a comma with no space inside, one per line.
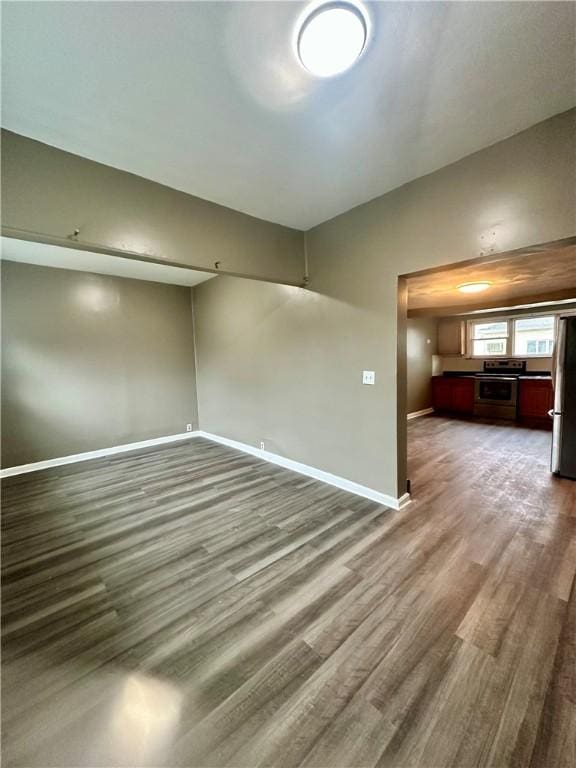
(450,337)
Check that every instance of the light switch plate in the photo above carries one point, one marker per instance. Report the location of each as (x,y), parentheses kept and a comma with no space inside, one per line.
(368,377)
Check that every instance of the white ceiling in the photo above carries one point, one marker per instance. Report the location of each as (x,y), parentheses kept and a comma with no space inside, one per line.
(208,97)
(101,264)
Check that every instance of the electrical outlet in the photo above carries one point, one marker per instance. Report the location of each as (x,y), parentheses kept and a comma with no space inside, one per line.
(368,377)
(188,427)
(261,446)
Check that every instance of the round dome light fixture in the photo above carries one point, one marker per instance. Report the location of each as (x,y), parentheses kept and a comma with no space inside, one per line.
(481,285)
(331,38)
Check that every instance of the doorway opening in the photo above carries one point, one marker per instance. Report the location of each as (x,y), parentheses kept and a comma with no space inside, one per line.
(485,358)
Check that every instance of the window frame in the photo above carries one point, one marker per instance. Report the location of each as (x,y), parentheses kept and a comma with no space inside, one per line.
(510,321)
(470,336)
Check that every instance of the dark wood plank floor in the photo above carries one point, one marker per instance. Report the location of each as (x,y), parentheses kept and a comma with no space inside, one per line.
(192,606)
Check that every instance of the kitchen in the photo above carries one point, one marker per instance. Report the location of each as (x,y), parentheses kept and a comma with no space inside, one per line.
(499,388)
(512,365)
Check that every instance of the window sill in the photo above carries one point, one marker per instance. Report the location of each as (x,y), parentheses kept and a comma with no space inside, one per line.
(508,357)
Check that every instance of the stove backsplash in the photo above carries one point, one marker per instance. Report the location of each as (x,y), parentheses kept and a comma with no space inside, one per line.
(466,364)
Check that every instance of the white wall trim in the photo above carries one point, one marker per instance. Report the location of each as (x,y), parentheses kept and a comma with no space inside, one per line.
(76,457)
(273,458)
(423,412)
(317,474)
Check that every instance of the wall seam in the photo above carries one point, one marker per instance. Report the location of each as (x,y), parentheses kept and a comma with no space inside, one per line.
(196,383)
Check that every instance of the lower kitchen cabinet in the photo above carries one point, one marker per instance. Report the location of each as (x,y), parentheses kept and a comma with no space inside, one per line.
(453,394)
(536,398)
(441,393)
(463,395)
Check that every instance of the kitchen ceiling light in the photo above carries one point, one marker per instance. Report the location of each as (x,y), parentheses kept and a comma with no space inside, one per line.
(331,38)
(474,287)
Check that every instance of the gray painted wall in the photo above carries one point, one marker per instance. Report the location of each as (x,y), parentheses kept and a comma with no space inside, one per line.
(284,365)
(277,364)
(53,193)
(91,361)
(421,347)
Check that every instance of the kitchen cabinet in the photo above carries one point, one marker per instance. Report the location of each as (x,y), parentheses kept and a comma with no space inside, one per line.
(450,337)
(453,394)
(441,393)
(536,398)
(463,395)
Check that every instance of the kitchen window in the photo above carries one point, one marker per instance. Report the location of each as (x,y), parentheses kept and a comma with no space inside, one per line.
(534,336)
(512,337)
(489,339)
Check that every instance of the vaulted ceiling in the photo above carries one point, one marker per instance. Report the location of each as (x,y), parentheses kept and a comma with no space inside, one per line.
(209,97)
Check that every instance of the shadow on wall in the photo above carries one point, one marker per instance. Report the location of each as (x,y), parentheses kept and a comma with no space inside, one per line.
(421,358)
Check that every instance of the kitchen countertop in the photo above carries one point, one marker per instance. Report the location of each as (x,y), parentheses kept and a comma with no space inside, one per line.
(536,376)
(455,375)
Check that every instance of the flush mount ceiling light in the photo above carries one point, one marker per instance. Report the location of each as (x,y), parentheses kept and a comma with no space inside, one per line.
(331,38)
(474,287)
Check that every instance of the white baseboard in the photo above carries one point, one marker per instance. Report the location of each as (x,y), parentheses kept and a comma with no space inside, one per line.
(76,457)
(423,412)
(317,474)
(273,458)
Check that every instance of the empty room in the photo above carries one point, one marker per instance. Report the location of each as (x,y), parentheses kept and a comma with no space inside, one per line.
(288,424)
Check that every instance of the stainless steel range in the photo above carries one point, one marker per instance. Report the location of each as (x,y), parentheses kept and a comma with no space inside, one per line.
(496,389)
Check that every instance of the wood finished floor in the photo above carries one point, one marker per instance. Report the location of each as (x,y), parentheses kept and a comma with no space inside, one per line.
(193,606)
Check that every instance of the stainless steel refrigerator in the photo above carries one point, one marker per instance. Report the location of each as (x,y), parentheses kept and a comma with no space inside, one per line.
(564,412)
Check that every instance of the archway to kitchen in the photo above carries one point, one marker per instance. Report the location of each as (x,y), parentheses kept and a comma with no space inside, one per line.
(483,349)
